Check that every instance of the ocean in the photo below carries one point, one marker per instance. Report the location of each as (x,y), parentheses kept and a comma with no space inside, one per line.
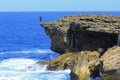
(23,42)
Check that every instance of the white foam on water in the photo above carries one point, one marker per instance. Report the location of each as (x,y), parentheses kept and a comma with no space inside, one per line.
(26,69)
(62,71)
(9,78)
(36,67)
(16,64)
(29,51)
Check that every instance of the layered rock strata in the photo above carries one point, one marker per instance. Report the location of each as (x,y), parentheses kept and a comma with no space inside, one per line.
(83,32)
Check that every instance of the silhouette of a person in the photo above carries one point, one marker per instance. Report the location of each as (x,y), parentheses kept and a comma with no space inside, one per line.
(40,18)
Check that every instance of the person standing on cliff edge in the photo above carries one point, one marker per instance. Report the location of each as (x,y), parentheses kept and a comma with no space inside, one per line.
(40,18)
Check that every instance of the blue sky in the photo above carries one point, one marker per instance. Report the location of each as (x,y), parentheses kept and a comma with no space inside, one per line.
(59,5)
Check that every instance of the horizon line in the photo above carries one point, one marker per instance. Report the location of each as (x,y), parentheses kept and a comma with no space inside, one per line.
(59,11)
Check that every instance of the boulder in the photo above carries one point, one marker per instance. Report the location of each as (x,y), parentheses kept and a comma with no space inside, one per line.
(80,69)
(83,33)
(110,64)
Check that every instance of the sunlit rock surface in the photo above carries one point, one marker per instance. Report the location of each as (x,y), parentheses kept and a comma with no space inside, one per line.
(110,64)
(82,64)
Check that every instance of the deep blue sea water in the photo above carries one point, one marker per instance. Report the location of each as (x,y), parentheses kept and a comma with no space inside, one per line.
(23,42)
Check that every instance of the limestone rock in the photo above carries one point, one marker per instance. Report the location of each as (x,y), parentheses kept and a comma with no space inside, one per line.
(83,32)
(62,62)
(80,69)
(82,64)
(110,64)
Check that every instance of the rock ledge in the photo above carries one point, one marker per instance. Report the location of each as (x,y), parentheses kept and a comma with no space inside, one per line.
(83,32)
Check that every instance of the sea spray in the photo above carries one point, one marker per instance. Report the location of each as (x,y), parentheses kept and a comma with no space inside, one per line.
(27,69)
(36,67)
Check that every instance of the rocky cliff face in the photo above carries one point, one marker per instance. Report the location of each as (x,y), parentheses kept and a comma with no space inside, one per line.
(83,32)
(90,41)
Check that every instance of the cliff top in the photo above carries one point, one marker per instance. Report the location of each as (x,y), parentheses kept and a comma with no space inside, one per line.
(95,22)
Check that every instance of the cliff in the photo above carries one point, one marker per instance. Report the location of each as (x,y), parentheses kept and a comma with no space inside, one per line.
(83,32)
(87,44)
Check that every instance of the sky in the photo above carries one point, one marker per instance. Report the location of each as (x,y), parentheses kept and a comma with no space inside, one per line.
(59,5)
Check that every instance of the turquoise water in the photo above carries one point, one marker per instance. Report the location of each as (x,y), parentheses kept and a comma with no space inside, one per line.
(23,42)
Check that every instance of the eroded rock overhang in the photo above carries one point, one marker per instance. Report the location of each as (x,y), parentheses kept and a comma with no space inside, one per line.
(83,32)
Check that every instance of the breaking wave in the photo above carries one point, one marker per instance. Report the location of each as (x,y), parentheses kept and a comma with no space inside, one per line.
(27,69)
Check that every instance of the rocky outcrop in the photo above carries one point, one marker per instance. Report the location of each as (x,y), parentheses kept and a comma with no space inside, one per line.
(68,59)
(83,32)
(82,64)
(86,39)
(110,64)
(88,63)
